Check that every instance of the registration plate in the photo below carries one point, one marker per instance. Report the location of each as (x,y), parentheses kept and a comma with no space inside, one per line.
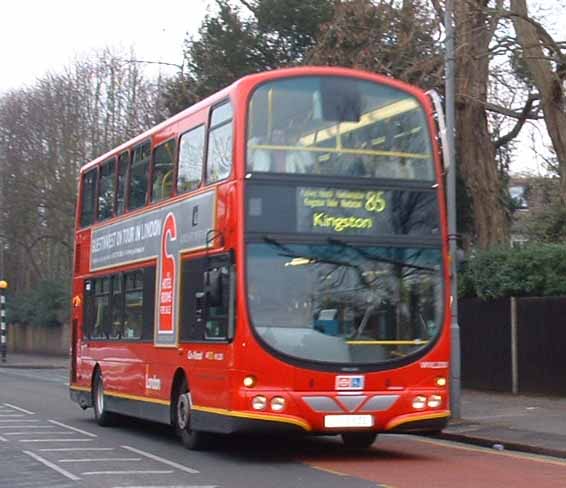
(348,421)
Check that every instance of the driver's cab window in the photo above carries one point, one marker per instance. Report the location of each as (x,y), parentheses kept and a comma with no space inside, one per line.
(208,291)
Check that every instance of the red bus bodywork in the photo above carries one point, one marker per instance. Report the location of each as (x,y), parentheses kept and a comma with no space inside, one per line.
(140,377)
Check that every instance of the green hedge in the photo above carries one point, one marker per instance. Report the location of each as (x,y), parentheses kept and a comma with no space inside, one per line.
(535,270)
(47,304)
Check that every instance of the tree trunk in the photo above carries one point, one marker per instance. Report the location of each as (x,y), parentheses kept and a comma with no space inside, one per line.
(548,83)
(476,152)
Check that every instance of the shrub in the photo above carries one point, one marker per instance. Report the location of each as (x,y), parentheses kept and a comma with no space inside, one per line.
(535,270)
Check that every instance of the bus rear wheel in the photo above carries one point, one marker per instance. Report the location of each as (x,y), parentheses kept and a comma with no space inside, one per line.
(358,440)
(102,416)
(191,439)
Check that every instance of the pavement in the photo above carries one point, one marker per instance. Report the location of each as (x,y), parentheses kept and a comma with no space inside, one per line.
(527,423)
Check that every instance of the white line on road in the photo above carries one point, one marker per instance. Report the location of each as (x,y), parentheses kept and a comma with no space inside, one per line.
(60,449)
(25,426)
(172,486)
(84,432)
(94,473)
(27,432)
(2,422)
(161,460)
(71,476)
(94,460)
(3,439)
(19,409)
(55,440)
(11,415)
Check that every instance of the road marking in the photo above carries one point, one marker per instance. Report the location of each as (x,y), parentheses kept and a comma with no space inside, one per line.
(20,421)
(39,433)
(94,460)
(327,470)
(19,409)
(84,432)
(25,427)
(94,473)
(49,464)
(11,415)
(3,439)
(59,449)
(162,460)
(55,440)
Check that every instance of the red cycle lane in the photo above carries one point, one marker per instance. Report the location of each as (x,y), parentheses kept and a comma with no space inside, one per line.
(411,462)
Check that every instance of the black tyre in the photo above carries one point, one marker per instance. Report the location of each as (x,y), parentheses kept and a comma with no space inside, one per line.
(191,439)
(102,416)
(358,440)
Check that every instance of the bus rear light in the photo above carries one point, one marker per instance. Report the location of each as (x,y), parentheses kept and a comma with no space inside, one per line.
(259,402)
(419,402)
(434,401)
(440,381)
(278,404)
(250,381)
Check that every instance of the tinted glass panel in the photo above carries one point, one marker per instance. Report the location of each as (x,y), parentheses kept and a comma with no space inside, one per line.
(133,317)
(219,160)
(345,303)
(338,126)
(139,176)
(123,163)
(163,171)
(88,193)
(106,189)
(191,152)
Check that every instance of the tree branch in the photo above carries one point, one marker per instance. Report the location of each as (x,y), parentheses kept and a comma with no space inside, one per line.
(523,117)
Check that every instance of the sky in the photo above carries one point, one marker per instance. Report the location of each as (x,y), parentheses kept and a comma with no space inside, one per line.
(41,36)
(38,36)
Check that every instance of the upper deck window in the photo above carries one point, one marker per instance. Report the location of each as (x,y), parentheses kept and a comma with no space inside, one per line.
(338,127)
(88,194)
(106,189)
(123,163)
(137,194)
(163,171)
(191,152)
(219,161)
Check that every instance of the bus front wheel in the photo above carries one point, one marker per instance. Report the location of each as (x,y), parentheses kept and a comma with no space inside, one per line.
(191,439)
(358,440)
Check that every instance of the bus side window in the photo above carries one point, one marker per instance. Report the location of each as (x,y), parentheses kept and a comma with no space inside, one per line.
(163,171)
(218,300)
(191,153)
(106,189)
(88,198)
(137,192)
(219,159)
(123,163)
(88,311)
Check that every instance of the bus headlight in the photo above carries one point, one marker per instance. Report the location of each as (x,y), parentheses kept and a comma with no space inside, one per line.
(419,402)
(259,402)
(440,381)
(277,404)
(434,401)
(249,381)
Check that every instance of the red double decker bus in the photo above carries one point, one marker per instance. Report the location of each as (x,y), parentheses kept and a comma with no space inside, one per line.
(273,258)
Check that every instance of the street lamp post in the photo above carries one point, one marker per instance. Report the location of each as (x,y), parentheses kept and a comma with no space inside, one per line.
(455,369)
